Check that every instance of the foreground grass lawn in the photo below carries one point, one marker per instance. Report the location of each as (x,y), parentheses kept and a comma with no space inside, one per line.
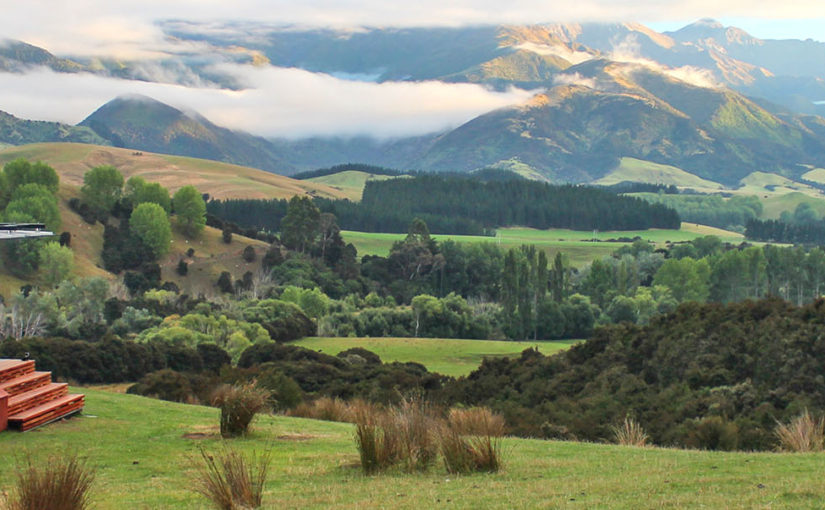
(142,450)
(445,356)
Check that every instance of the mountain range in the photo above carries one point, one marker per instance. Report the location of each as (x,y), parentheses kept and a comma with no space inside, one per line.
(710,100)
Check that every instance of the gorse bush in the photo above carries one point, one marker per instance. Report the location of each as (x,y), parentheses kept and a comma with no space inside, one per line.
(629,433)
(61,482)
(239,405)
(230,481)
(803,434)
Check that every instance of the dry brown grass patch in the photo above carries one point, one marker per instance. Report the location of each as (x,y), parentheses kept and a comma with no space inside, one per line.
(477,421)
(803,434)
(629,433)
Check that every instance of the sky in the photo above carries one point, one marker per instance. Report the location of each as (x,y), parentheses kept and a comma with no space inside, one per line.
(281,102)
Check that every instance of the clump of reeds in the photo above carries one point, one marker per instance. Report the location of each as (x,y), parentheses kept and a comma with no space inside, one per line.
(61,482)
(230,481)
(803,434)
(629,433)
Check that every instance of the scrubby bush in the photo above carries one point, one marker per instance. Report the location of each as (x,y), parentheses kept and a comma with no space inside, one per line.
(249,254)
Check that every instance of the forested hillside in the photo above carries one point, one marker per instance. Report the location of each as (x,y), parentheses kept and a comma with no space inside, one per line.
(705,376)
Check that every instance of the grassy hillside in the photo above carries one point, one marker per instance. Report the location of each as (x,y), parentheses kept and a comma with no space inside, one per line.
(577,245)
(816,175)
(143,450)
(211,257)
(445,356)
(765,184)
(774,206)
(220,180)
(350,182)
(637,170)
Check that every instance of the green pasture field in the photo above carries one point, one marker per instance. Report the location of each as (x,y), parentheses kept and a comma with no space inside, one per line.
(144,449)
(445,356)
(577,245)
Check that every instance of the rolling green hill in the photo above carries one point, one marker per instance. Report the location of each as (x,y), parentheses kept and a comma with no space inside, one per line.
(350,182)
(636,170)
(14,131)
(144,451)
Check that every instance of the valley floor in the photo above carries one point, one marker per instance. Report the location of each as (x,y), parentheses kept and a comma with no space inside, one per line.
(144,450)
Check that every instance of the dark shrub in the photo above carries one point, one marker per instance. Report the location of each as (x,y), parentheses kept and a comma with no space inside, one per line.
(183,267)
(225,283)
(226,235)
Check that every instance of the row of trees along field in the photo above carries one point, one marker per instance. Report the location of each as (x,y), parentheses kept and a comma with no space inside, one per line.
(455,205)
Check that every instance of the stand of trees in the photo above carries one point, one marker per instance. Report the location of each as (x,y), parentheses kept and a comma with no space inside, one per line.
(460,205)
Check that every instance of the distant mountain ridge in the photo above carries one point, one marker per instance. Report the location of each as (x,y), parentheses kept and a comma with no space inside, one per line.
(707,99)
(142,123)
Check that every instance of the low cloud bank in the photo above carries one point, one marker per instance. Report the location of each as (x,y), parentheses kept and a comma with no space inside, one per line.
(276,102)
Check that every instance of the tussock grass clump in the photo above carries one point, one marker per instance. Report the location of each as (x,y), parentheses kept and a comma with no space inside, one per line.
(803,434)
(378,443)
(629,433)
(412,423)
(401,435)
(231,482)
(477,421)
(412,434)
(239,405)
(61,482)
(468,454)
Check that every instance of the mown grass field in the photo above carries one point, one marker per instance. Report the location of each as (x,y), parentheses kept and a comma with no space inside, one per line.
(577,245)
(143,450)
(351,182)
(445,356)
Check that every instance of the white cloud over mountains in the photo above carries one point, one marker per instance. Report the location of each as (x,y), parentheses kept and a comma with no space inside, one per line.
(126,27)
(278,102)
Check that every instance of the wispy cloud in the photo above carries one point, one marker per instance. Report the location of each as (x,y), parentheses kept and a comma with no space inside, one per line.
(627,51)
(574,79)
(128,26)
(276,102)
